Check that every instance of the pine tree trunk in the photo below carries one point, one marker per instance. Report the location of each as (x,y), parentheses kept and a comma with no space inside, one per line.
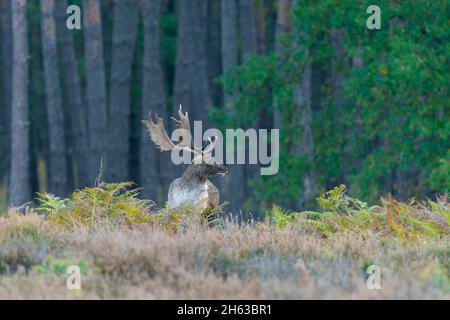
(73,92)
(191,88)
(5,103)
(249,46)
(191,75)
(124,36)
(96,88)
(229,39)
(282,28)
(154,165)
(19,184)
(234,183)
(304,147)
(214,51)
(337,43)
(57,171)
(247,24)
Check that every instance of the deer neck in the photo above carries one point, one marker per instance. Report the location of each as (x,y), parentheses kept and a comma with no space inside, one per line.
(194,176)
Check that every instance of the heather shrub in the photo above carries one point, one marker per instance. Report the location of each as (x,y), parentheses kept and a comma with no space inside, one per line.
(25,240)
(133,250)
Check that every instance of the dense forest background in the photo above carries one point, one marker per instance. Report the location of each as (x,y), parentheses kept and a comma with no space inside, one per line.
(365,108)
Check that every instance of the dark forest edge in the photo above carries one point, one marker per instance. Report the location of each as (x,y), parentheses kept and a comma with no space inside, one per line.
(366,108)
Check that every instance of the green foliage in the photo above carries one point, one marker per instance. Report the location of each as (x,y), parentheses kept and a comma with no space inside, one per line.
(390,130)
(59,266)
(279,217)
(439,176)
(110,203)
(117,204)
(393,220)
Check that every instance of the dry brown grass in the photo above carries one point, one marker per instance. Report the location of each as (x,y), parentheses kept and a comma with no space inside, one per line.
(250,261)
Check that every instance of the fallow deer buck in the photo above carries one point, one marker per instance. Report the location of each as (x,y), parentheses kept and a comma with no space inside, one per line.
(193,187)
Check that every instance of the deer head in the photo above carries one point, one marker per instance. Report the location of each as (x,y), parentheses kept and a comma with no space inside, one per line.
(203,164)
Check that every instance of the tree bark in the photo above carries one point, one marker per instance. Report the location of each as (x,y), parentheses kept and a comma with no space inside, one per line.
(249,46)
(73,92)
(124,36)
(154,165)
(96,88)
(234,183)
(5,111)
(337,43)
(214,50)
(304,146)
(191,75)
(229,39)
(247,24)
(56,167)
(19,184)
(191,88)
(283,26)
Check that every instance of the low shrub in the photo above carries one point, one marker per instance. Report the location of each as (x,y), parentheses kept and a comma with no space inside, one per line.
(391,219)
(107,203)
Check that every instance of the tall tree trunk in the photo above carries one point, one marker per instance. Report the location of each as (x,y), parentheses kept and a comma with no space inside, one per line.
(124,36)
(304,146)
(247,24)
(234,183)
(338,64)
(214,50)
(282,28)
(249,46)
(191,75)
(193,90)
(337,43)
(56,168)
(73,92)
(154,165)
(5,111)
(229,39)
(19,184)
(96,87)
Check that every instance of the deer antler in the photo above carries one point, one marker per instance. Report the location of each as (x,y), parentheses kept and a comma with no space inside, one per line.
(159,135)
(210,147)
(183,123)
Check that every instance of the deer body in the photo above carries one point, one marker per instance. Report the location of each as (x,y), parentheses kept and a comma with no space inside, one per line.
(201,195)
(193,187)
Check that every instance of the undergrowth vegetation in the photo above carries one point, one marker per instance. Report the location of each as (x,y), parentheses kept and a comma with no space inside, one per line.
(394,220)
(117,204)
(127,248)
